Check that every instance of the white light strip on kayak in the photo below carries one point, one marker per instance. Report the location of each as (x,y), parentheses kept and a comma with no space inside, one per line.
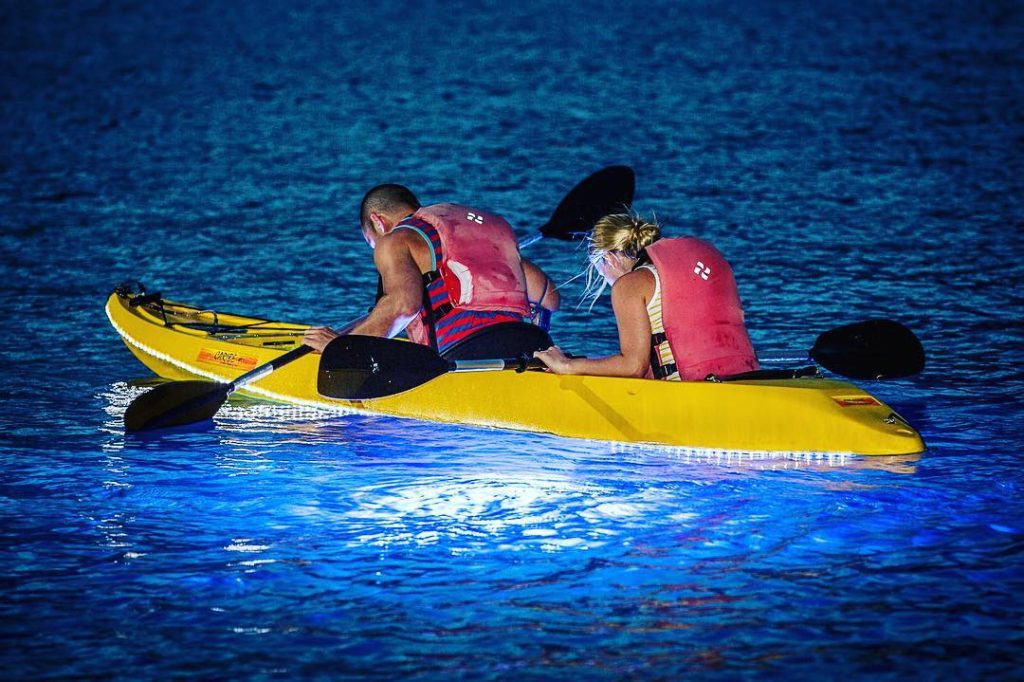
(694,455)
(209,375)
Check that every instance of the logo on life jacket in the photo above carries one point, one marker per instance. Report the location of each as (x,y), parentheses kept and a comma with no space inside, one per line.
(702,270)
(478,219)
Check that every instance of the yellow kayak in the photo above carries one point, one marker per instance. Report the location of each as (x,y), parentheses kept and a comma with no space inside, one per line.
(811,414)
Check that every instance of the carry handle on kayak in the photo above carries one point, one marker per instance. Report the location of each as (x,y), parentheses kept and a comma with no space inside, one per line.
(143,299)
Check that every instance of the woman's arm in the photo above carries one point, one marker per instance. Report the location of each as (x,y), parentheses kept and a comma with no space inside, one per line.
(629,301)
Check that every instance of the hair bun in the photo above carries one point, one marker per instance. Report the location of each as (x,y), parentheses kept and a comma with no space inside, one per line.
(625,232)
(643,234)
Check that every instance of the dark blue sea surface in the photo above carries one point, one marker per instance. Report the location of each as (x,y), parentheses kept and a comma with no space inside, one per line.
(851,159)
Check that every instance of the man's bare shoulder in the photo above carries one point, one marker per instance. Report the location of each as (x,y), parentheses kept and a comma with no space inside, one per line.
(398,241)
(402,245)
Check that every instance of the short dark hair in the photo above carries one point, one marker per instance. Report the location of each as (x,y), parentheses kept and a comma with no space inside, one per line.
(386,198)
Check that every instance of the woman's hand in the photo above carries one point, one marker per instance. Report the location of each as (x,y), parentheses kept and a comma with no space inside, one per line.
(557,361)
(317,338)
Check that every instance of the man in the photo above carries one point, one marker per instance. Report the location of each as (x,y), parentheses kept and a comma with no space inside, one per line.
(448,272)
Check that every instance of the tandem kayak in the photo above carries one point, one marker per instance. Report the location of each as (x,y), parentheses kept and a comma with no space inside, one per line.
(808,414)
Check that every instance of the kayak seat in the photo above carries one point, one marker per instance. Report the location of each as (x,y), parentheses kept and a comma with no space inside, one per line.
(503,340)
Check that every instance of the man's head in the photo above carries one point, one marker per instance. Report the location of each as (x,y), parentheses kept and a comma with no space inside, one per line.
(383,207)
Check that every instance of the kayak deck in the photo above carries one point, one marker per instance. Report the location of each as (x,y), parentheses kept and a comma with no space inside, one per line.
(177,341)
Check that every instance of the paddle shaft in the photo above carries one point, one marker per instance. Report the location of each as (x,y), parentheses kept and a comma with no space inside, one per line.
(534,238)
(783,360)
(266,368)
(518,364)
(531,240)
(281,360)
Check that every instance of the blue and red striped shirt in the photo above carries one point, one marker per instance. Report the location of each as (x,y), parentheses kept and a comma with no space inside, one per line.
(451,324)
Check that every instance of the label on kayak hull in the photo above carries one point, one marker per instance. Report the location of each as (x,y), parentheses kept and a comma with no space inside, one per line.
(226,359)
(856,401)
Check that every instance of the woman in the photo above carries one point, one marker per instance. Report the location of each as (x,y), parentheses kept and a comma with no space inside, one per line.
(675,304)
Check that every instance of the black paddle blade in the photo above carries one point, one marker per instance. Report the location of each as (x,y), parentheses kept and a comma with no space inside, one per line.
(874,349)
(175,404)
(609,190)
(365,367)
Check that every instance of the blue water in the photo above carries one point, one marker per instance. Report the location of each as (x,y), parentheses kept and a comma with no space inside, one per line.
(852,160)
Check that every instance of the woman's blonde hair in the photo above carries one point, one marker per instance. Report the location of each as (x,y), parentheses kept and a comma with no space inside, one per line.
(626,233)
(623,232)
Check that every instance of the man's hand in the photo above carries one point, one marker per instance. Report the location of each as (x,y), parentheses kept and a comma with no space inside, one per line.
(317,338)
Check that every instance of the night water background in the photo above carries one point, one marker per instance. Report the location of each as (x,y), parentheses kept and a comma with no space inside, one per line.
(852,160)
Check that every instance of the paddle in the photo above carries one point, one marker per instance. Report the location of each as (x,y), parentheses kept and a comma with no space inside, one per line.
(366,367)
(178,403)
(609,190)
(185,402)
(873,349)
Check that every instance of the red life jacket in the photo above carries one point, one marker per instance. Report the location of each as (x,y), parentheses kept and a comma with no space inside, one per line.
(701,312)
(476,278)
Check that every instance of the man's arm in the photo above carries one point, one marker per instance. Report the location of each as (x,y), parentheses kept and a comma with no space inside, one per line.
(403,286)
(403,292)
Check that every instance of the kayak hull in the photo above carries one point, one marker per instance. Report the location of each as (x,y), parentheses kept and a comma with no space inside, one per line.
(794,415)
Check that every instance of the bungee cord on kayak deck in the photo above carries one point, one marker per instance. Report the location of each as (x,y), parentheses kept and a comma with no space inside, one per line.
(169,310)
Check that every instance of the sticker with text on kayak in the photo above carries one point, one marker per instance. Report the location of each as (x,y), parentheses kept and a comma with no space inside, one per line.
(226,359)
(855,401)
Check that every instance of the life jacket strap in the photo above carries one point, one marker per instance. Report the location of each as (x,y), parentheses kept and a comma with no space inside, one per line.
(431,314)
(663,371)
(659,370)
(429,319)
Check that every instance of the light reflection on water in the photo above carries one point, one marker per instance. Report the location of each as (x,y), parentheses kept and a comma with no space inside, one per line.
(401,483)
(381,540)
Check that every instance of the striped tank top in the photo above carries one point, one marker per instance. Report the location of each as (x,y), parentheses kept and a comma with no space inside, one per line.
(662,353)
